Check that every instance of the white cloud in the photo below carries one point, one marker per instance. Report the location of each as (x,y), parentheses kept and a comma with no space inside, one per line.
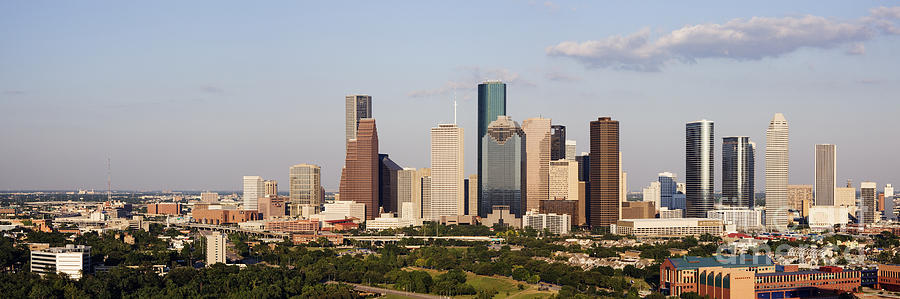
(739,39)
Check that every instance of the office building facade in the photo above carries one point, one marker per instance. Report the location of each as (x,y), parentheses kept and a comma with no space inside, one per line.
(360,177)
(537,161)
(305,188)
(867,202)
(387,184)
(491,104)
(447,173)
(603,205)
(738,174)
(557,142)
(254,188)
(72,260)
(563,180)
(776,173)
(826,174)
(215,248)
(699,164)
(356,107)
(502,178)
(271,188)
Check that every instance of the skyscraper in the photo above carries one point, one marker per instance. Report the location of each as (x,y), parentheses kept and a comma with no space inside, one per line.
(652,194)
(491,104)
(215,248)
(890,207)
(604,205)
(387,184)
(447,156)
(826,174)
(537,161)
(738,171)
(570,149)
(502,178)
(305,188)
(254,188)
(867,202)
(356,107)
(473,195)
(271,188)
(776,173)
(668,186)
(360,177)
(563,179)
(409,182)
(557,142)
(699,168)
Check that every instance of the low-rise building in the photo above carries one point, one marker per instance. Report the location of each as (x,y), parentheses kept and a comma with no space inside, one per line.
(500,215)
(676,227)
(666,213)
(168,208)
(72,260)
(221,217)
(293,226)
(743,219)
(638,210)
(555,223)
(889,277)
(826,217)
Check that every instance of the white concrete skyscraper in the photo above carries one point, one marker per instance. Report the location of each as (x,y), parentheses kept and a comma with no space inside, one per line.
(826,175)
(777,173)
(570,149)
(254,188)
(356,107)
(447,156)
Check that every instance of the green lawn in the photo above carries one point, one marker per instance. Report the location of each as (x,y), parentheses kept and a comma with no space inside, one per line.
(501,284)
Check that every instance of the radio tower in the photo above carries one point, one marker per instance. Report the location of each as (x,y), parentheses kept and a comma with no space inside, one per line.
(108,180)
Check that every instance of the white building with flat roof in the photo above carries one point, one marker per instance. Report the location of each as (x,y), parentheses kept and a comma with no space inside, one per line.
(826,217)
(555,223)
(666,213)
(215,248)
(72,260)
(657,227)
(743,219)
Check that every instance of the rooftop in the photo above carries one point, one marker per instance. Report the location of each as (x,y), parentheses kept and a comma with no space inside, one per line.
(694,262)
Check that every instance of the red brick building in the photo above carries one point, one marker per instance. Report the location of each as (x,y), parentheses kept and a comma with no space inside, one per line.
(173,209)
(272,206)
(293,226)
(889,277)
(220,217)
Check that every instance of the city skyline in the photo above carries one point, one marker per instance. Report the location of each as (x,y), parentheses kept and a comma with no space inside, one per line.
(178,134)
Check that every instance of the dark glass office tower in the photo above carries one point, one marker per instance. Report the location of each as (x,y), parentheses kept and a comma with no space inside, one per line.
(738,171)
(699,163)
(668,186)
(603,207)
(503,175)
(491,104)
(557,142)
(387,184)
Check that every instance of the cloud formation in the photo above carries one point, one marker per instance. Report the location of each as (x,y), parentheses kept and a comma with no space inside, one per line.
(739,39)
(471,77)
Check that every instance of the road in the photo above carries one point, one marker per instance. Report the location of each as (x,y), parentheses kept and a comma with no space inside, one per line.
(383,291)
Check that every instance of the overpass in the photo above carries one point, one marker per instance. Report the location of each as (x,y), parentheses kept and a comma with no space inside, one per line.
(396,238)
(225,229)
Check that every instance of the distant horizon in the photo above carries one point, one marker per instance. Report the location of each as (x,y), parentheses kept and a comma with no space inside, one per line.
(181,98)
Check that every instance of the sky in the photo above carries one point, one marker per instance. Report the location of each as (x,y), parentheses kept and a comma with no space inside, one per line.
(193,95)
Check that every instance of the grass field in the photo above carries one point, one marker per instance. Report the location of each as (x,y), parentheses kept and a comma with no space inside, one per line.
(506,287)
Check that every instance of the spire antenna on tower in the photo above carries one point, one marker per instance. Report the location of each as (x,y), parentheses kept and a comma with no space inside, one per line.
(108,179)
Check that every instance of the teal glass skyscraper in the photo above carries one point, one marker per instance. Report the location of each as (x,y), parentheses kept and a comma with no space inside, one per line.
(491,103)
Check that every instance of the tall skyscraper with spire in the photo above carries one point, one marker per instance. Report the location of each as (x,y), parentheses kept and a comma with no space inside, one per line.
(491,104)
(360,176)
(738,171)
(603,206)
(356,107)
(826,174)
(447,175)
(699,165)
(537,161)
(776,173)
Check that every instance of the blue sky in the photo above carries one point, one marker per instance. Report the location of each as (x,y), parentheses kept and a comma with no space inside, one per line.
(193,95)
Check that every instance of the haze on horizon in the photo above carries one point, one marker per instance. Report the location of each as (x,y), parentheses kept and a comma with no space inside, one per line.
(195,95)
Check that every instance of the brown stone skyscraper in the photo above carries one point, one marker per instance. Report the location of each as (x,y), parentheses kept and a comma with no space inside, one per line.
(359,178)
(603,205)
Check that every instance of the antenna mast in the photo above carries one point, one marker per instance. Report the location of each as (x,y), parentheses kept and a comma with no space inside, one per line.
(108,180)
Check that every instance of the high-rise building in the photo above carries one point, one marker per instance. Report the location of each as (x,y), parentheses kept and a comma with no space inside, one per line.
(603,206)
(570,149)
(890,207)
(554,223)
(503,159)
(409,182)
(776,173)
(557,142)
(584,167)
(867,191)
(668,186)
(387,184)
(653,194)
(254,188)
(563,179)
(800,198)
(447,175)
(537,161)
(426,198)
(738,171)
(473,195)
(699,168)
(360,177)
(356,107)
(215,248)
(305,187)
(826,174)
(491,104)
(845,197)
(209,197)
(271,188)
